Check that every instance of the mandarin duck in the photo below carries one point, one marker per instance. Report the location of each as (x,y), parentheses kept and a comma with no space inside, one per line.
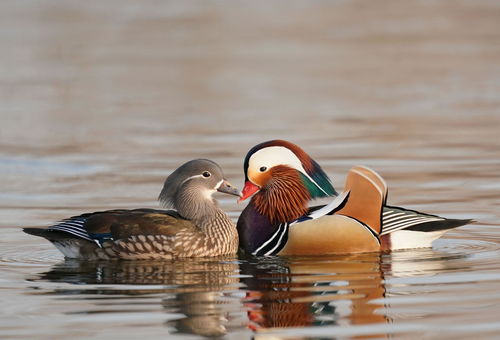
(282,178)
(196,227)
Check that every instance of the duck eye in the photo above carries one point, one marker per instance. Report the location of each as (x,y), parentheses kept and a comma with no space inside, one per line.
(263,168)
(206,174)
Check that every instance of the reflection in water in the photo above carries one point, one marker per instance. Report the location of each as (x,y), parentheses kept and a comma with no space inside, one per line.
(204,313)
(277,292)
(195,288)
(314,291)
(332,290)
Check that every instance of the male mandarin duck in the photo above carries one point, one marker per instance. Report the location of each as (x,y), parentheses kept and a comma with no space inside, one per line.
(196,228)
(282,179)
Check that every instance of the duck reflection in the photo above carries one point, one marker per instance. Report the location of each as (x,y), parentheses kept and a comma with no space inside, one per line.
(332,290)
(314,291)
(193,287)
(220,295)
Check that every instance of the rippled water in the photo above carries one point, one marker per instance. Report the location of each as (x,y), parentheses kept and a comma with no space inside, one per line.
(100,101)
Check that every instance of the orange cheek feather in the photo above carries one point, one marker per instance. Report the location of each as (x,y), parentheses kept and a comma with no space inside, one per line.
(259,178)
(256,181)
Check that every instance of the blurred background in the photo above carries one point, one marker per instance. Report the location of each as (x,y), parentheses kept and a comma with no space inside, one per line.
(101,100)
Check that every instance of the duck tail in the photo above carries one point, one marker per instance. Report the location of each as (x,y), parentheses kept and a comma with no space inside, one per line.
(51,235)
(445,224)
(36,231)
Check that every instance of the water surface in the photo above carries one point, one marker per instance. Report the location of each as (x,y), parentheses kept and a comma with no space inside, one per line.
(100,101)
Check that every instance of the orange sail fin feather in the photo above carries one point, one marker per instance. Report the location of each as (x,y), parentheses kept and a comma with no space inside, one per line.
(367,196)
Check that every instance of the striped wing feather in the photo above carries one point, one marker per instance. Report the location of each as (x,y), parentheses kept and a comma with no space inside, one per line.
(115,224)
(396,218)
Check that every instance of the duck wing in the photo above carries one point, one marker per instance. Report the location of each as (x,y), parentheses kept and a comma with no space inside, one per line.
(117,224)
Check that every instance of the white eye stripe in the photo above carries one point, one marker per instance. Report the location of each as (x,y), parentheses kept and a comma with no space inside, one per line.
(278,155)
(275,155)
(217,186)
(190,178)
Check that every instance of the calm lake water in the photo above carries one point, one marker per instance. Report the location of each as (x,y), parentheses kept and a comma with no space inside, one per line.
(100,101)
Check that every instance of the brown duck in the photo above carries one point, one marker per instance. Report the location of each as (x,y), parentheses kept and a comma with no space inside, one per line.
(196,226)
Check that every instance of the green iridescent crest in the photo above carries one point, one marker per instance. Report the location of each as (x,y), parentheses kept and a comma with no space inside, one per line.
(322,188)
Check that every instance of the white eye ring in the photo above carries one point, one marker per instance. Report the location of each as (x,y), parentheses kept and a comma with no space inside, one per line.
(263,168)
(206,174)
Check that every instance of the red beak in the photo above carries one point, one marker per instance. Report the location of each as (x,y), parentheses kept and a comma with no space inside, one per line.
(248,190)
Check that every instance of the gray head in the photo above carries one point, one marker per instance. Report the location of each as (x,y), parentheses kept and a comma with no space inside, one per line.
(189,189)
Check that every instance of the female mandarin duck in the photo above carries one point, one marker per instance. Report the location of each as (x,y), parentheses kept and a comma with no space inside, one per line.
(196,228)
(283,179)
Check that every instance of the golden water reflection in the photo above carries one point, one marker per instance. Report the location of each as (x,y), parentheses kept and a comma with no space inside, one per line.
(315,291)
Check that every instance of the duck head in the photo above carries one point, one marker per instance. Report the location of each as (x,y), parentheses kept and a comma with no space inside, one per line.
(190,187)
(283,178)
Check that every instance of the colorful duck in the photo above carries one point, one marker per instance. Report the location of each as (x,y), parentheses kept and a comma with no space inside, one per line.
(196,228)
(282,179)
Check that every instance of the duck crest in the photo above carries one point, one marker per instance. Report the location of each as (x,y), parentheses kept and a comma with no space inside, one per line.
(285,196)
(318,183)
(320,177)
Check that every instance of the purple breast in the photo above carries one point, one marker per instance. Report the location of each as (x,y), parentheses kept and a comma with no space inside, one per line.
(253,229)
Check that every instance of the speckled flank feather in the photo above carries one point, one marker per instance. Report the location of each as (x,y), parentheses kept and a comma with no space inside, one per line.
(215,236)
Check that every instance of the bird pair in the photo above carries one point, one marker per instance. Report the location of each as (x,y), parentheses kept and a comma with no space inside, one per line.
(281,179)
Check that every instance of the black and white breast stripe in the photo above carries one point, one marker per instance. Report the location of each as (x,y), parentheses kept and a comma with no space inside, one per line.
(279,238)
(394,219)
(275,243)
(74,226)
